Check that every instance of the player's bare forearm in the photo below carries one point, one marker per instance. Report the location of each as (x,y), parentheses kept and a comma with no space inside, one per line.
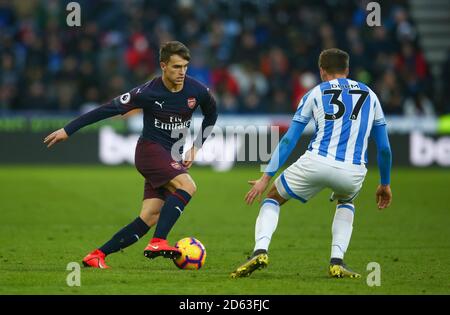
(55,137)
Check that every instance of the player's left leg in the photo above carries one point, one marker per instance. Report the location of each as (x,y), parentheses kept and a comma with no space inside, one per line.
(128,235)
(266,224)
(131,233)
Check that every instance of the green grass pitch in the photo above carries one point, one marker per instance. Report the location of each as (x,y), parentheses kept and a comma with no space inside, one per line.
(50,216)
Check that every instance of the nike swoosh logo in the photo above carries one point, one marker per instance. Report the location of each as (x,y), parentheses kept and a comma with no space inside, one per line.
(100,264)
(138,90)
(154,247)
(159,104)
(179,209)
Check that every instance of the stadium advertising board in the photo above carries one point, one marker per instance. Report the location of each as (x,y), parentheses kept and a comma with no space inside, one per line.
(110,146)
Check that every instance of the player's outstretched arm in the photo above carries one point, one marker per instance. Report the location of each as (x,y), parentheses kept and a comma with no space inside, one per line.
(102,112)
(55,137)
(384,158)
(279,157)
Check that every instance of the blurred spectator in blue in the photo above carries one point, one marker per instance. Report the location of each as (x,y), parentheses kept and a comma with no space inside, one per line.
(198,67)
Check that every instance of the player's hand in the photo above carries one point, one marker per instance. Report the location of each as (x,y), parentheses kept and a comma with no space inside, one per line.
(190,157)
(55,137)
(259,186)
(384,196)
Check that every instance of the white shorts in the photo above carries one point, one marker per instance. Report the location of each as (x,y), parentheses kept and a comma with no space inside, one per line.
(309,175)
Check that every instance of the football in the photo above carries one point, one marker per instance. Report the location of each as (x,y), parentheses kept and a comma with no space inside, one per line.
(193,254)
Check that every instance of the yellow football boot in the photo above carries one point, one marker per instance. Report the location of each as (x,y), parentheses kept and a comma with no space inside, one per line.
(259,260)
(342,271)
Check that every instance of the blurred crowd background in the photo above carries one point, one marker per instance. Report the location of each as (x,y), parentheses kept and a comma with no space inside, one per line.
(256,56)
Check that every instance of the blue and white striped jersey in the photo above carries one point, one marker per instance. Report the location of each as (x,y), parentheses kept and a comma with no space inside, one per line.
(344,112)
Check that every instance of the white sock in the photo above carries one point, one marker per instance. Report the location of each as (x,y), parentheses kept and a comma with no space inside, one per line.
(266,223)
(342,229)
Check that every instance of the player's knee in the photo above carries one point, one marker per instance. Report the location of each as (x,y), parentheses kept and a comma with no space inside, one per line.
(186,184)
(150,211)
(273,194)
(150,216)
(189,187)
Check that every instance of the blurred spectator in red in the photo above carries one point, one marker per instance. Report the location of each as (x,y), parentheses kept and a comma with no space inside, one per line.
(411,60)
(139,54)
(274,63)
(302,83)
(223,81)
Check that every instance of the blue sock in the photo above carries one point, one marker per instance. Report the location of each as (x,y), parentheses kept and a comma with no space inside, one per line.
(126,236)
(170,212)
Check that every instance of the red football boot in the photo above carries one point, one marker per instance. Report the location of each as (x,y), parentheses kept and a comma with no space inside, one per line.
(160,247)
(95,259)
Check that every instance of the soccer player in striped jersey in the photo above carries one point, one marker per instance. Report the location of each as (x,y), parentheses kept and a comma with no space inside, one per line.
(346,113)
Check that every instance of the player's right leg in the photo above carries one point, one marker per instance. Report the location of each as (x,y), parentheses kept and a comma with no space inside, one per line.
(346,185)
(129,234)
(341,229)
(266,224)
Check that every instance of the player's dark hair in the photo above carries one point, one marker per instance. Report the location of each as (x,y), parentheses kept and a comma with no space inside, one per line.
(334,60)
(173,48)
